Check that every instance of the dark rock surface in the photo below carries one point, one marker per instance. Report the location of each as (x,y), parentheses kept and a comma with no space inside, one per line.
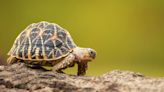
(19,78)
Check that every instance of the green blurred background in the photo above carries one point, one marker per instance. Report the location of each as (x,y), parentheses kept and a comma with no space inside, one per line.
(127,34)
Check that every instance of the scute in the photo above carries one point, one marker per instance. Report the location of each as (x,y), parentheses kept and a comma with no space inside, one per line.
(42,41)
(61,35)
(47,34)
(50,27)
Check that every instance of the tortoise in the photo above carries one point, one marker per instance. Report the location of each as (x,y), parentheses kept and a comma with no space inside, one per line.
(48,44)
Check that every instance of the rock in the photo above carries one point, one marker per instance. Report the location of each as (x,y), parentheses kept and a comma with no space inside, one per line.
(20,78)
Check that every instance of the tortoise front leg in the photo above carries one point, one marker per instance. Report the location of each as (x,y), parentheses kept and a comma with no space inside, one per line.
(64,63)
(11,60)
(82,67)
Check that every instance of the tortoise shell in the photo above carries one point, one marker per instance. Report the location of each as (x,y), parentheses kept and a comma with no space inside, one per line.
(42,41)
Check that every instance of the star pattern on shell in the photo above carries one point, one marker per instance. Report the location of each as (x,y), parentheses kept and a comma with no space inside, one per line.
(42,41)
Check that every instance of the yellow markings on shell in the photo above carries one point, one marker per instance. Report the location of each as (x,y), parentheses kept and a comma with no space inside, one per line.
(23,53)
(41,32)
(28,33)
(29,48)
(37,53)
(17,52)
(29,52)
(54,37)
(43,50)
(53,55)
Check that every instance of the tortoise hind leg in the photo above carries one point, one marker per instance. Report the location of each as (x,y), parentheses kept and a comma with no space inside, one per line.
(11,60)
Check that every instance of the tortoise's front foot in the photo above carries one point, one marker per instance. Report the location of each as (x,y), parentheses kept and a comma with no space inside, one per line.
(82,67)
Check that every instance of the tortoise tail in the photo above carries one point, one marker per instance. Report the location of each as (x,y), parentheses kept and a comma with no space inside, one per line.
(11,60)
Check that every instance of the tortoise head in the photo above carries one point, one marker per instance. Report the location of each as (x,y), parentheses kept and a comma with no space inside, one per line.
(84,54)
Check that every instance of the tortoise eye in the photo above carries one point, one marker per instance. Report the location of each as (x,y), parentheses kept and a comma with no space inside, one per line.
(92,53)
